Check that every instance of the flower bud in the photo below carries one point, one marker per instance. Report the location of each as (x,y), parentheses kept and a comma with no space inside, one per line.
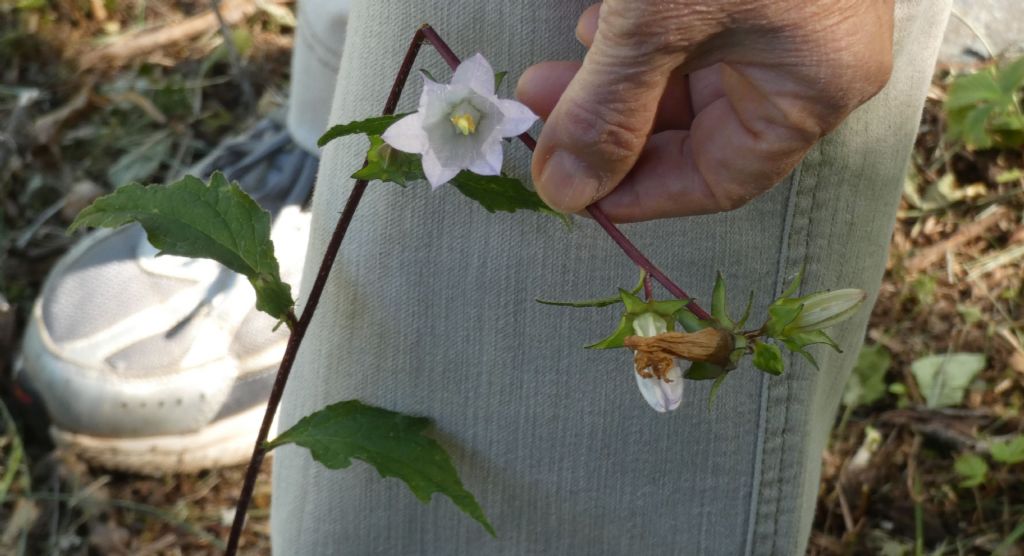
(824,309)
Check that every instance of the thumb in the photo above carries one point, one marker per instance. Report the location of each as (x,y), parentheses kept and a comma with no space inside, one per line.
(601,123)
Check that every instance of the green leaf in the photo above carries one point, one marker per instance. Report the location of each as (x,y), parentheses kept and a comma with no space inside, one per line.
(1011,77)
(718,303)
(972,89)
(394,444)
(768,358)
(1008,451)
(972,469)
(597,302)
(943,379)
(700,370)
(376,125)
(713,393)
(867,382)
(500,193)
(193,219)
(385,163)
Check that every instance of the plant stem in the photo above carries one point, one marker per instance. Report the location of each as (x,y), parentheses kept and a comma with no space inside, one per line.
(301,325)
(595,211)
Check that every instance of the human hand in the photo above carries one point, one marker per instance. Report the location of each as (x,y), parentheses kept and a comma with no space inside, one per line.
(685,107)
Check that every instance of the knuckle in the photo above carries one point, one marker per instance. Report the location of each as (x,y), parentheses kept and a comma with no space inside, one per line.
(606,128)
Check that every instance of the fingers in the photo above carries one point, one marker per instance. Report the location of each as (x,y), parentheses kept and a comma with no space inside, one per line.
(738,147)
(542,85)
(599,126)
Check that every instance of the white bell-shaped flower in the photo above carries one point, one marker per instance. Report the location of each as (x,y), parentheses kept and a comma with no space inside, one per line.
(663,394)
(460,126)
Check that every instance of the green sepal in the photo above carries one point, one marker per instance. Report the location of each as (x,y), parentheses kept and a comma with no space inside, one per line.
(746,312)
(700,370)
(690,322)
(605,302)
(713,393)
(718,303)
(499,77)
(634,305)
(794,285)
(376,125)
(388,164)
(618,338)
(768,358)
(781,314)
(740,348)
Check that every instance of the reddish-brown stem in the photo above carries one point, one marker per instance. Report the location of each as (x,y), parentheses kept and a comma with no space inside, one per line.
(301,325)
(595,211)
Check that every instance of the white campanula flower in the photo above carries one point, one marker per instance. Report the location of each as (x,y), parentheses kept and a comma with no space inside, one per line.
(460,126)
(665,392)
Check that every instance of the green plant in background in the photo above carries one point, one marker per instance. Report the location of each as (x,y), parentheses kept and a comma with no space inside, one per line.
(983,109)
(943,379)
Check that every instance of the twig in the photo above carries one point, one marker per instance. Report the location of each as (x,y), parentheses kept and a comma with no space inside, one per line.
(935,253)
(130,46)
(237,67)
(300,326)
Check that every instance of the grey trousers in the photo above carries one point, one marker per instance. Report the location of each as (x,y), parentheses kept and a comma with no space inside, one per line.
(430,311)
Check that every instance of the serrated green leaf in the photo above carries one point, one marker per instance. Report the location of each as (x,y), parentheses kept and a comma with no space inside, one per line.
(768,358)
(190,218)
(943,379)
(867,381)
(718,309)
(605,302)
(394,444)
(618,338)
(1008,451)
(700,370)
(500,193)
(385,163)
(972,468)
(376,125)
(713,393)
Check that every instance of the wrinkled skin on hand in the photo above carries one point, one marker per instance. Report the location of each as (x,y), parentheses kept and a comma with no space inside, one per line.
(685,107)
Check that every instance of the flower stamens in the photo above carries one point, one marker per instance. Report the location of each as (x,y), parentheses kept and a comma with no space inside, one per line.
(464,117)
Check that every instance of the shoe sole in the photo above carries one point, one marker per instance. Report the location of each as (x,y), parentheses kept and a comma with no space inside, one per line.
(223,443)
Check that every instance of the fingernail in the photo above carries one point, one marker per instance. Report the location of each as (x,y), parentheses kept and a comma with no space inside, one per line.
(567,182)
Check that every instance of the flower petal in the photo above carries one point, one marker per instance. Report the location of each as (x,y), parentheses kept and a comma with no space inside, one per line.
(476,73)
(660,395)
(436,174)
(489,161)
(407,134)
(517,118)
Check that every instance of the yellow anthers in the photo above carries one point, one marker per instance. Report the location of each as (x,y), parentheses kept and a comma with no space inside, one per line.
(464,123)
